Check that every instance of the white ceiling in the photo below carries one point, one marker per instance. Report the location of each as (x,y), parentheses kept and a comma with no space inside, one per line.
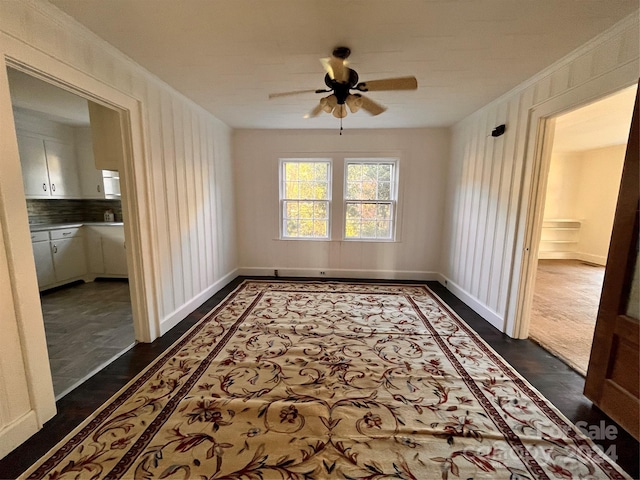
(228,55)
(602,123)
(50,101)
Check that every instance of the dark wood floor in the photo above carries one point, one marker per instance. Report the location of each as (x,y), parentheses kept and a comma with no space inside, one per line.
(555,380)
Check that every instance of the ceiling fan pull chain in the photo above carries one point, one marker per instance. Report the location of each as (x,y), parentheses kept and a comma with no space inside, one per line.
(340,125)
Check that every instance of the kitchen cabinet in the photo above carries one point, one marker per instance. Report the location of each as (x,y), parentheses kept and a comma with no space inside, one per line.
(63,170)
(59,256)
(43,258)
(114,253)
(34,166)
(48,168)
(67,247)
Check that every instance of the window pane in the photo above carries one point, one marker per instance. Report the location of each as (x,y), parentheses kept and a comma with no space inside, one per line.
(368,229)
(384,211)
(291,171)
(320,191)
(320,210)
(291,209)
(352,229)
(306,228)
(292,190)
(306,171)
(306,209)
(320,228)
(384,172)
(353,210)
(306,190)
(370,172)
(369,190)
(354,172)
(291,228)
(384,229)
(354,190)
(369,211)
(384,191)
(321,172)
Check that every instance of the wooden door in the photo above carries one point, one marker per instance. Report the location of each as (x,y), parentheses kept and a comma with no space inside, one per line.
(613,377)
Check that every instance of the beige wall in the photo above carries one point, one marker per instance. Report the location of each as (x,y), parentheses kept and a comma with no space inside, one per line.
(423,155)
(598,189)
(584,186)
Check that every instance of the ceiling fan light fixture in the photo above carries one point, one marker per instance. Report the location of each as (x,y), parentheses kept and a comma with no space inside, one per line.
(340,111)
(354,102)
(329,103)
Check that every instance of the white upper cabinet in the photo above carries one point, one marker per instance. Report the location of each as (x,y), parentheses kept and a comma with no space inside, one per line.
(34,166)
(49,168)
(63,169)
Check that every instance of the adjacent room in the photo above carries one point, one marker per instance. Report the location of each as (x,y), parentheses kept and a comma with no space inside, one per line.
(583,182)
(303,237)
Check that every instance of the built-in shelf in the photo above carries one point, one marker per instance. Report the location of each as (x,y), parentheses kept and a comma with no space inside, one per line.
(559,238)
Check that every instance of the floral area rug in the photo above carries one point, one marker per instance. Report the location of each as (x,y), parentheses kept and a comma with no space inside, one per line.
(316,380)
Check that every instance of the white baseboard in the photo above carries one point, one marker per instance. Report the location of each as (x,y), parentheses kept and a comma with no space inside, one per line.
(588,257)
(339,273)
(481,309)
(178,315)
(557,256)
(584,257)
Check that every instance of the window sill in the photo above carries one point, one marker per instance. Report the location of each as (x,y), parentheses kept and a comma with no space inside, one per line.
(339,240)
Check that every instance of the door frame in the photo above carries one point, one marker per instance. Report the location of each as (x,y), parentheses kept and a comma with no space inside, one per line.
(14,219)
(537,160)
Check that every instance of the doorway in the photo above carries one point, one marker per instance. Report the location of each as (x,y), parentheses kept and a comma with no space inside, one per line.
(77,232)
(582,183)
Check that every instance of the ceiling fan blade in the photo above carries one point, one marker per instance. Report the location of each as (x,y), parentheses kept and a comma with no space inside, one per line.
(315,112)
(336,68)
(372,107)
(400,83)
(295,92)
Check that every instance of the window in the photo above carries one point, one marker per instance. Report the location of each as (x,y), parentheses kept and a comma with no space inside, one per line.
(305,194)
(370,199)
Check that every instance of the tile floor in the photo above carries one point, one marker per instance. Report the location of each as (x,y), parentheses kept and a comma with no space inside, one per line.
(87,325)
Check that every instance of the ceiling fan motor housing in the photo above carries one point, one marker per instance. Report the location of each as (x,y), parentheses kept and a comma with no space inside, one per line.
(341,90)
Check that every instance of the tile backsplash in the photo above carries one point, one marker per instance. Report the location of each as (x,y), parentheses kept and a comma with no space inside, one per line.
(69,211)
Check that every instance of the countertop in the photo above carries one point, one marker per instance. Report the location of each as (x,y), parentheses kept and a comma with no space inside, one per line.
(56,226)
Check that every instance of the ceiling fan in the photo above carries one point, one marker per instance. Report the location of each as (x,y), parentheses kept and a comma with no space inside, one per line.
(341,80)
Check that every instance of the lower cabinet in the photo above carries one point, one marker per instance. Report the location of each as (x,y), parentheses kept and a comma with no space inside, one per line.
(79,253)
(44,259)
(69,260)
(106,250)
(59,255)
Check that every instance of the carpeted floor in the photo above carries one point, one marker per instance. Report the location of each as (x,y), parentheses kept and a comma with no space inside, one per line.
(565,306)
(315,380)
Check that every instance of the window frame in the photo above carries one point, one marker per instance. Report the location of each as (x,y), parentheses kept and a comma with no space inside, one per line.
(283,198)
(393,202)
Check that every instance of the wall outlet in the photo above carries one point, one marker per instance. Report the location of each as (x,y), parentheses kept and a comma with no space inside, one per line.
(275,273)
(322,272)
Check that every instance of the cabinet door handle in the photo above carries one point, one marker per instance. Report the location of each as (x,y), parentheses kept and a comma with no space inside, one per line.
(53,187)
(98,188)
(44,187)
(55,248)
(64,234)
